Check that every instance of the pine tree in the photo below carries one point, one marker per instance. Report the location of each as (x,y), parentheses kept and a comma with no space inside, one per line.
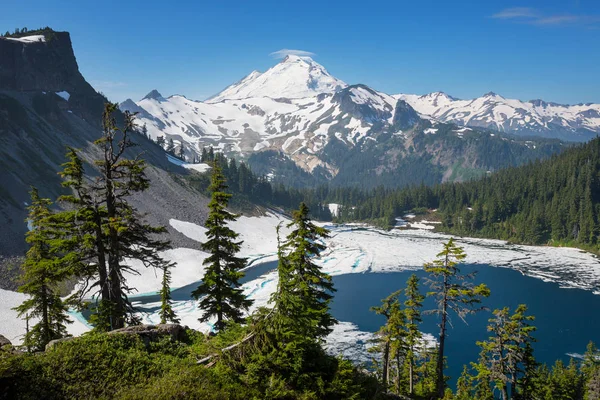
(181,152)
(219,291)
(166,309)
(145,131)
(308,289)
(412,311)
(204,156)
(109,229)
(391,338)
(452,291)
(44,268)
(170,146)
(160,140)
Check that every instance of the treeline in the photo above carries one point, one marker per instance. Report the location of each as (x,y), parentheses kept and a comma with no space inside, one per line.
(20,32)
(553,201)
(258,189)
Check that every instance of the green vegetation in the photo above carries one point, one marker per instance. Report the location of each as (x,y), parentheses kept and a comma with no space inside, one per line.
(554,201)
(44,268)
(277,351)
(219,293)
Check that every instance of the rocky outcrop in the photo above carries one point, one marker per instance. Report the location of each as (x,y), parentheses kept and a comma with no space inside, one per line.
(38,122)
(4,342)
(51,344)
(405,117)
(151,333)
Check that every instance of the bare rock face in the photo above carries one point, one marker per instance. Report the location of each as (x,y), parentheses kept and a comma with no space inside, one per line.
(4,342)
(151,333)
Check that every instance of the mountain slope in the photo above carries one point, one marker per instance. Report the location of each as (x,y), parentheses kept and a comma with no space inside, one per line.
(46,105)
(367,136)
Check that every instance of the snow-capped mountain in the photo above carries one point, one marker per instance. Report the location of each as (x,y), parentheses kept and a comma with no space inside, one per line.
(294,77)
(297,108)
(536,117)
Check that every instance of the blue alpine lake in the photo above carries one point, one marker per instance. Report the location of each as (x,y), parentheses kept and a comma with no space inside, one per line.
(566,319)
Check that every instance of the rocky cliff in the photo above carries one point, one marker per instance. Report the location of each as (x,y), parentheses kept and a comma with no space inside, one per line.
(46,105)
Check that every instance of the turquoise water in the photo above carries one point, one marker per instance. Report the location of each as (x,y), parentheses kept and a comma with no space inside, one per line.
(567,319)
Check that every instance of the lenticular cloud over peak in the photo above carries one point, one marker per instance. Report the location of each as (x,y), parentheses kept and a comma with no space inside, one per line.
(288,52)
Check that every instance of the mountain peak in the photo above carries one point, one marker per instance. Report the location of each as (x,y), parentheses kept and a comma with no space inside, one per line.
(153,95)
(293,77)
(492,94)
(291,58)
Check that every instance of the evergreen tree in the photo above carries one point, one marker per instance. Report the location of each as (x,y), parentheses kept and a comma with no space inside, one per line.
(391,339)
(170,146)
(506,359)
(109,229)
(219,291)
(160,140)
(44,268)
(204,156)
(181,152)
(308,289)
(452,292)
(166,309)
(412,311)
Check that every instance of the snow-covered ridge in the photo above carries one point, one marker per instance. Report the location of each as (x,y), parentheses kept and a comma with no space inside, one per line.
(297,107)
(493,111)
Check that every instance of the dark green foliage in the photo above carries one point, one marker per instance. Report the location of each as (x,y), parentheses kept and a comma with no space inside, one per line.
(390,341)
(506,357)
(166,310)
(305,290)
(452,291)
(46,266)
(170,146)
(107,228)
(125,367)
(412,312)
(554,201)
(219,292)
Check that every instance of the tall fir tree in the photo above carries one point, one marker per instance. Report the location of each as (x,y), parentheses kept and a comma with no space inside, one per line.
(44,268)
(219,293)
(452,291)
(109,228)
(167,314)
(170,146)
(412,311)
(390,340)
(308,290)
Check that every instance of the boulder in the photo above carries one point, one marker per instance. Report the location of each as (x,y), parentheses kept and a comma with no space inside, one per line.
(54,342)
(153,332)
(4,342)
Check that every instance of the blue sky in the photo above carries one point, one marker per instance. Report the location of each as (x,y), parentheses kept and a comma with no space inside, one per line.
(547,49)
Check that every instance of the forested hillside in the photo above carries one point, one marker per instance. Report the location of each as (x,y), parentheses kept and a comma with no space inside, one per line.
(553,201)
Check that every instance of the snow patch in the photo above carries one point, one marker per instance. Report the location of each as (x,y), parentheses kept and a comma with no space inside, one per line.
(65,95)
(28,39)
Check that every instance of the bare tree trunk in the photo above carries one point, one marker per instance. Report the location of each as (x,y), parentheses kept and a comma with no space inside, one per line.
(386,366)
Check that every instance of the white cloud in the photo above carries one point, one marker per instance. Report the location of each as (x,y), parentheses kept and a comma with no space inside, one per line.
(516,12)
(288,52)
(531,16)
